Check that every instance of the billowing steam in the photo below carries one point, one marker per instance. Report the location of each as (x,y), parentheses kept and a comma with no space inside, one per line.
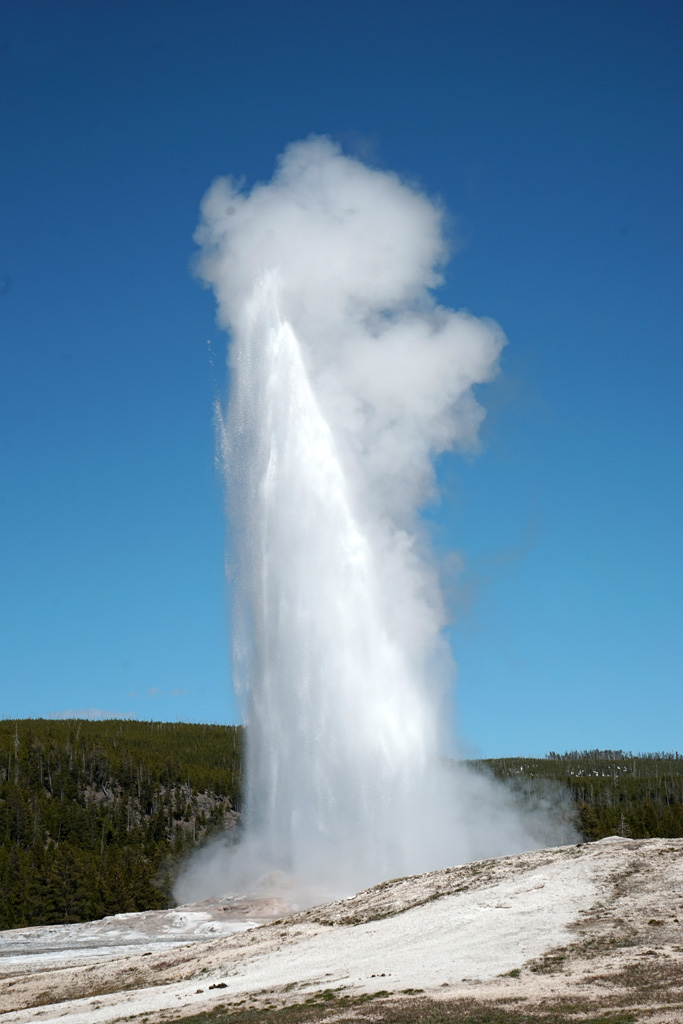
(347,380)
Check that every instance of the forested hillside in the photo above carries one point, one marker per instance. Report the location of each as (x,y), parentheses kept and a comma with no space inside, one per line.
(616,793)
(95,816)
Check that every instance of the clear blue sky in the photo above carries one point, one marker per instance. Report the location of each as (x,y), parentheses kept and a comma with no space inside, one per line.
(552,133)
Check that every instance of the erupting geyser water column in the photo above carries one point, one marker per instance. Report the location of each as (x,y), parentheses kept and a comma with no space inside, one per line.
(346,380)
(341,730)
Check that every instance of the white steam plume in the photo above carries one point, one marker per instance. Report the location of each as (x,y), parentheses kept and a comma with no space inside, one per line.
(347,380)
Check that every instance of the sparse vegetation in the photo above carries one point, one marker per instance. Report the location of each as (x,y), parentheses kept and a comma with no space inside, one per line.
(382,1009)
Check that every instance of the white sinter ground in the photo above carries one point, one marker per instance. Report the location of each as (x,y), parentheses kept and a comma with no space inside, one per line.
(612,907)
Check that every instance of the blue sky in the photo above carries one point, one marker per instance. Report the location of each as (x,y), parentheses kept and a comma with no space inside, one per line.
(551,132)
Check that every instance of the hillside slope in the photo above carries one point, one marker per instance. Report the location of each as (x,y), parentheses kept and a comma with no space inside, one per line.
(95,817)
(587,933)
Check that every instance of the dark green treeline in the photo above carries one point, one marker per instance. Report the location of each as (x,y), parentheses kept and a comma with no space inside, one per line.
(95,817)
(615,792)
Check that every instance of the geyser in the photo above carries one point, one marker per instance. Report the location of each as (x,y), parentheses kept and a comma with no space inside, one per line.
(347,379)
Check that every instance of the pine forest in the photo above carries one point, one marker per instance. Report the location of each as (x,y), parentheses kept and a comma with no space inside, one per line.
(97,817)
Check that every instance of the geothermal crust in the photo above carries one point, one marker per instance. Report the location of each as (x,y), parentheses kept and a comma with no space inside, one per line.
(600,924)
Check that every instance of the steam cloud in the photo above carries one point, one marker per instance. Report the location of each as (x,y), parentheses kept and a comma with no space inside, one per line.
(347,380)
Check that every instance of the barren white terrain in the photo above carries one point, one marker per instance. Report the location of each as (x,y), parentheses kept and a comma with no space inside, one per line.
(582,930)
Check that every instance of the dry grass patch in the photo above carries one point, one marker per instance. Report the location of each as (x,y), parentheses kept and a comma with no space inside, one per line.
(379,1008)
